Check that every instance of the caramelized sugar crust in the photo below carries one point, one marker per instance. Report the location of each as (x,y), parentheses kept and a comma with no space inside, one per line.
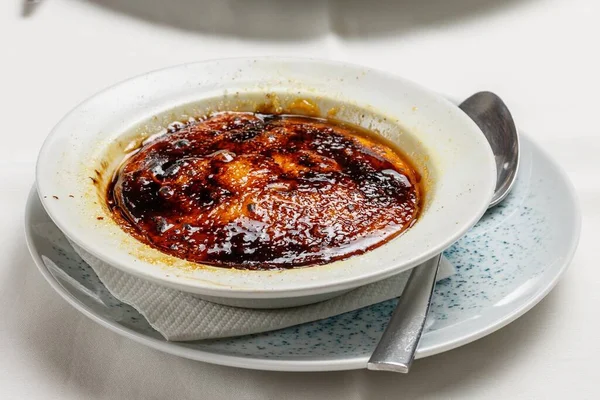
(256,191)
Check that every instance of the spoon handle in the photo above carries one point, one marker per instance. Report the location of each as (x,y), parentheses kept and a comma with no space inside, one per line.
(396,349)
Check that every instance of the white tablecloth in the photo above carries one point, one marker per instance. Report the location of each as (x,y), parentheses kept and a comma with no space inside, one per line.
(540,55)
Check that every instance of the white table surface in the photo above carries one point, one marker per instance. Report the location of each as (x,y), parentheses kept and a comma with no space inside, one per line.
(540,55)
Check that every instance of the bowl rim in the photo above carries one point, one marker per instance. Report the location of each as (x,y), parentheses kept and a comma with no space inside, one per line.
(315,287)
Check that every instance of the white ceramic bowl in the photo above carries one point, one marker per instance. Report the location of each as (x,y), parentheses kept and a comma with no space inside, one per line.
(447,147)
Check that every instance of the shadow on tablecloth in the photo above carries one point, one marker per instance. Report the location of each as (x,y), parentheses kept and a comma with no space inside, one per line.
(303,19)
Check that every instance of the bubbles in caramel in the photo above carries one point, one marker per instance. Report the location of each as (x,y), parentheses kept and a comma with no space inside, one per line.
(256,191)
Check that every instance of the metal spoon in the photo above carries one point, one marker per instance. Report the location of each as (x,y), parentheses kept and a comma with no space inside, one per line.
(396,349)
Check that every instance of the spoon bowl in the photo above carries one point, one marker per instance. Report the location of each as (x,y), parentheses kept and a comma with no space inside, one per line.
(492,116)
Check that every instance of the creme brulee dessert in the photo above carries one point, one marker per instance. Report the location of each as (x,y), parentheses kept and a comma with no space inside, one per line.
(259,191)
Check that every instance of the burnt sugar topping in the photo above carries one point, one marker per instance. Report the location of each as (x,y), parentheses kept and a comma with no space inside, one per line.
(257,191)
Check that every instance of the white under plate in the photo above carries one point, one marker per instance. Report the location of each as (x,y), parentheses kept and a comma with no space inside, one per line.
(505,265)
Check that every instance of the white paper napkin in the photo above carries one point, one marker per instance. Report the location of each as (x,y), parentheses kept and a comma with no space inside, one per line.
(179,316)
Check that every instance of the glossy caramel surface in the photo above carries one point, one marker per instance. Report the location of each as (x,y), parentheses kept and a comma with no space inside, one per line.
(256,191)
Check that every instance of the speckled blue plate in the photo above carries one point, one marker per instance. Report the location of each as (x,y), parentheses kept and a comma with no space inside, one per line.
(505,265)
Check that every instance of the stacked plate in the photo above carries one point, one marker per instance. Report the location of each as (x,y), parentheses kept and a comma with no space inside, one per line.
(505,264)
